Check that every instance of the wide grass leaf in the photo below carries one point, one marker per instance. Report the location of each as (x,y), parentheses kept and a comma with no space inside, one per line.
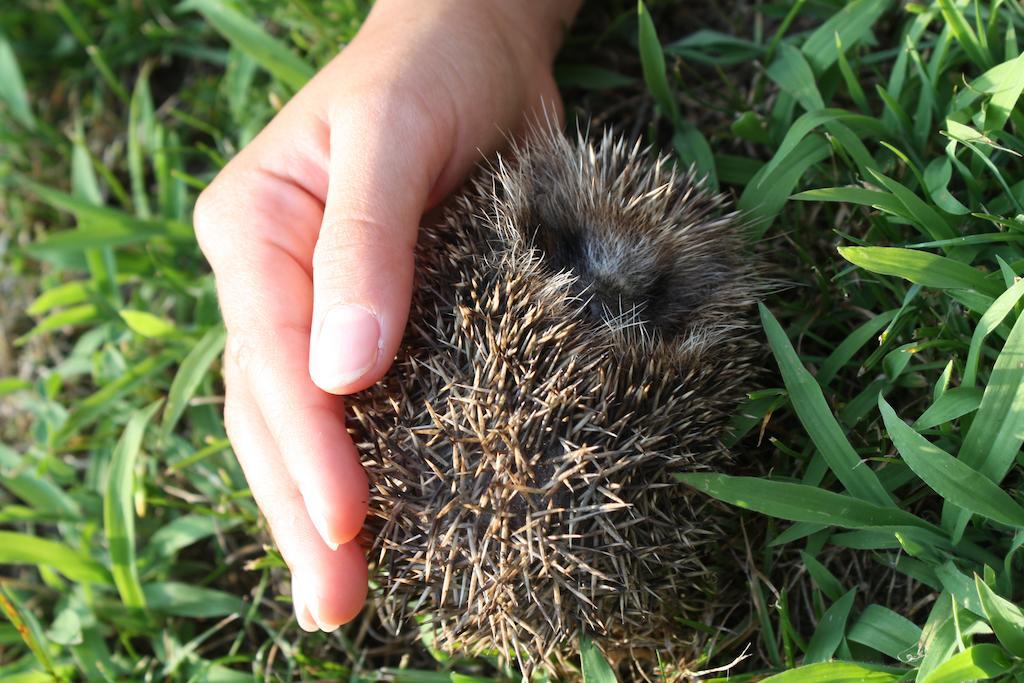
(184,600)
(817,418)
(800,502)
(190,375)
(794,75)
(847,27)
(29,631)
(66,294)
(955,481)
(830,630)
(886,631)
(1006,618)
(184,531)
(852,343)
(990,320)
(652,61)
(75,315)
(930,221)
(248,37)
(965,35)
(997,431)
(13,93)
(146,324)
(18,548)
(836,672)
(91,408)
(953,403)
(596,668)
(35,488)
(118,512)
(590,77)
(980,662)
(100,225)
(762,201)
(921,267)
(804,125)
(823,578)
(884,201)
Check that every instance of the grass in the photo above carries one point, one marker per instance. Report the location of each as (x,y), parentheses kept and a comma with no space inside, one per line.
(877,148)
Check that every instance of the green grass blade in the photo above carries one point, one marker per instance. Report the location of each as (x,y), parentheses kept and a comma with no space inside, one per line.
(593,664)
(800,502)
(823,578)
(1005,96)
(66,294)
(34,487)
(955,481)
(817,418)
(953,403)
(762,201)
(185,600)
(835,672)
(141,123)
(183,532)
(851,344)
(937,175)
(190,374)
(855,195)
(931,222)
(794,75)
(921,267)
(652,61)
(13,93)
(118,511)
(76,315)
(965,35)
(101,225)
(990,320)
(693,150)
(1006,618)
(248,37)
(17,548)
(590,77)
(960,586)
(885,631)
(146,324)
(92,407)
(804,125)
(853,86)
(996,435)
(830,629)
(848,27)
(28,629)
(975,663)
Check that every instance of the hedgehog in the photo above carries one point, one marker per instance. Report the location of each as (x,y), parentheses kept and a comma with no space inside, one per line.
(579,333)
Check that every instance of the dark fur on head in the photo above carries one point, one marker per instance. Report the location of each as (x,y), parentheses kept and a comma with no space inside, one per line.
(577,337)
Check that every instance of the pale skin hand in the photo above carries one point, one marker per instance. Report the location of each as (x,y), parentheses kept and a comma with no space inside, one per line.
(310,232)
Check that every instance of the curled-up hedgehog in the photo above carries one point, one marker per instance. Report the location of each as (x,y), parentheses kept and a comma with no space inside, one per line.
(578,335)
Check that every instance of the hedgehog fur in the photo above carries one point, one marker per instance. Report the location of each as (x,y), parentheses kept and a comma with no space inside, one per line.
(578,335)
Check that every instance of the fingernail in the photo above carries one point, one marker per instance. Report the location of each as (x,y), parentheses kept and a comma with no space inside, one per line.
(347,346)
(323,528)
(316,604)
(302,613)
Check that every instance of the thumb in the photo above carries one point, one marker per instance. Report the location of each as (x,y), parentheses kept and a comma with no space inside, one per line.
(383,163)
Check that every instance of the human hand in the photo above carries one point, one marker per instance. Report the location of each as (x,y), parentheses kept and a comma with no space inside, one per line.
(312,227)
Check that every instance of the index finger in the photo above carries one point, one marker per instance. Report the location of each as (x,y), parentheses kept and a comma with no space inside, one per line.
(258,232)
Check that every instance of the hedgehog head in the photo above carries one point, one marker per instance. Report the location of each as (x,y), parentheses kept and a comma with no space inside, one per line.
(576,338)
(633,235)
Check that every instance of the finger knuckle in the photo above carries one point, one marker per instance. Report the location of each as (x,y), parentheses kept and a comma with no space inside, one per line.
(204,219)
(243,353)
